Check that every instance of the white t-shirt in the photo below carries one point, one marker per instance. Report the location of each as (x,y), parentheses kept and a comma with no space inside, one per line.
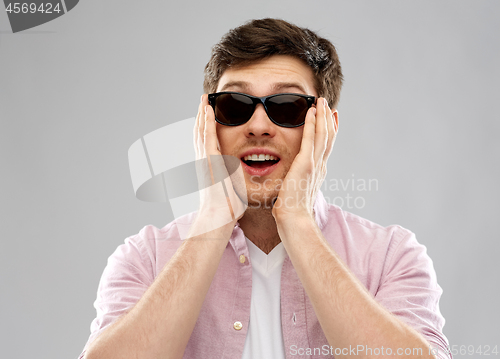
(264,337)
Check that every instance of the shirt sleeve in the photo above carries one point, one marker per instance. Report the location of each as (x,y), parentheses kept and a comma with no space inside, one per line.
(127,276)
(409,290)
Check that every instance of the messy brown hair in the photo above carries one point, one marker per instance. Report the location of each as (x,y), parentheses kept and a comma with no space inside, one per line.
(259,39)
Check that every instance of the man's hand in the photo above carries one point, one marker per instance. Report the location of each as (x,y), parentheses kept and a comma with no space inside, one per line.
(222,195)
(307,173)
(179,290)
(348,314)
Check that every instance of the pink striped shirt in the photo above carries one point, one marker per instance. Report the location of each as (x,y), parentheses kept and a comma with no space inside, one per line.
(389,262)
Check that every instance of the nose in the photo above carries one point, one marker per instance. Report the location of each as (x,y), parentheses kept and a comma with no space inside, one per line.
(259,124)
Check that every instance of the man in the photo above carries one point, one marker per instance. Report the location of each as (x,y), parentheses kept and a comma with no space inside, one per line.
(290,275)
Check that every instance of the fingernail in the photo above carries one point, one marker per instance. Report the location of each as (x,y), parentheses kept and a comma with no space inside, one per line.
(201,98)
(314,111)
(206,108)
(326,102)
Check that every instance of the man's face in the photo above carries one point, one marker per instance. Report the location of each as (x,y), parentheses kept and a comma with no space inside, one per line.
(277,74)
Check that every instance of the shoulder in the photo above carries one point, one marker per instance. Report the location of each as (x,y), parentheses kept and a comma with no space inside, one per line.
(351,226)
(393,266)
(152,247)
(342,228)
(371,250)
(151,235)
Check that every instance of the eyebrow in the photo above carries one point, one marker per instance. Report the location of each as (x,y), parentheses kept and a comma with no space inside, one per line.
(284,85)
(241,84)
(276,87)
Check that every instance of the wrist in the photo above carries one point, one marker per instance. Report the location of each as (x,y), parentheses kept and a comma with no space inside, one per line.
(212,225)
(295,223)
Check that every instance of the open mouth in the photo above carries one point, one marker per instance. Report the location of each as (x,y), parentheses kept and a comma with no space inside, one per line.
(260,161)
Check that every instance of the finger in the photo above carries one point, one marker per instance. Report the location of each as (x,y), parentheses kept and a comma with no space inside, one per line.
(196,131)
(210,140)
(321,135)
(307,144)
(204,104)
(212,120)
(332,132)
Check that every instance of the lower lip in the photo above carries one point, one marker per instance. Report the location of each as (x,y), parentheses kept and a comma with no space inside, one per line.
(259,171)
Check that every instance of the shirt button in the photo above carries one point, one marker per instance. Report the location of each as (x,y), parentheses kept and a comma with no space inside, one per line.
(237,325)
(242,259)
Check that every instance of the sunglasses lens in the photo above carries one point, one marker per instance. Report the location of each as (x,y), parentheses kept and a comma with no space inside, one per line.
(233,109)
(288,110)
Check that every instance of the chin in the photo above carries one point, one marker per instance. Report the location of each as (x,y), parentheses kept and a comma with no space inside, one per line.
(261,199)
(261,190)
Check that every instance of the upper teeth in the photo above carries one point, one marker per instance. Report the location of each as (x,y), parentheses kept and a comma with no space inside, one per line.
(260,157)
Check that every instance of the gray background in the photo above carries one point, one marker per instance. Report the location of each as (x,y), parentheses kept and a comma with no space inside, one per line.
(418,113)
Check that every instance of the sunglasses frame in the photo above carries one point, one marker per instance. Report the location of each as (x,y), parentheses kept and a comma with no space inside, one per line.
(311,100)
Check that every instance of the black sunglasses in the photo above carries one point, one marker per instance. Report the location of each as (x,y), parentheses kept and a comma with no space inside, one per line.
(284,109)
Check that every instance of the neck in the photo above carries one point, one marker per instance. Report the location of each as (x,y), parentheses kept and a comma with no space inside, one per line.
(259,226)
